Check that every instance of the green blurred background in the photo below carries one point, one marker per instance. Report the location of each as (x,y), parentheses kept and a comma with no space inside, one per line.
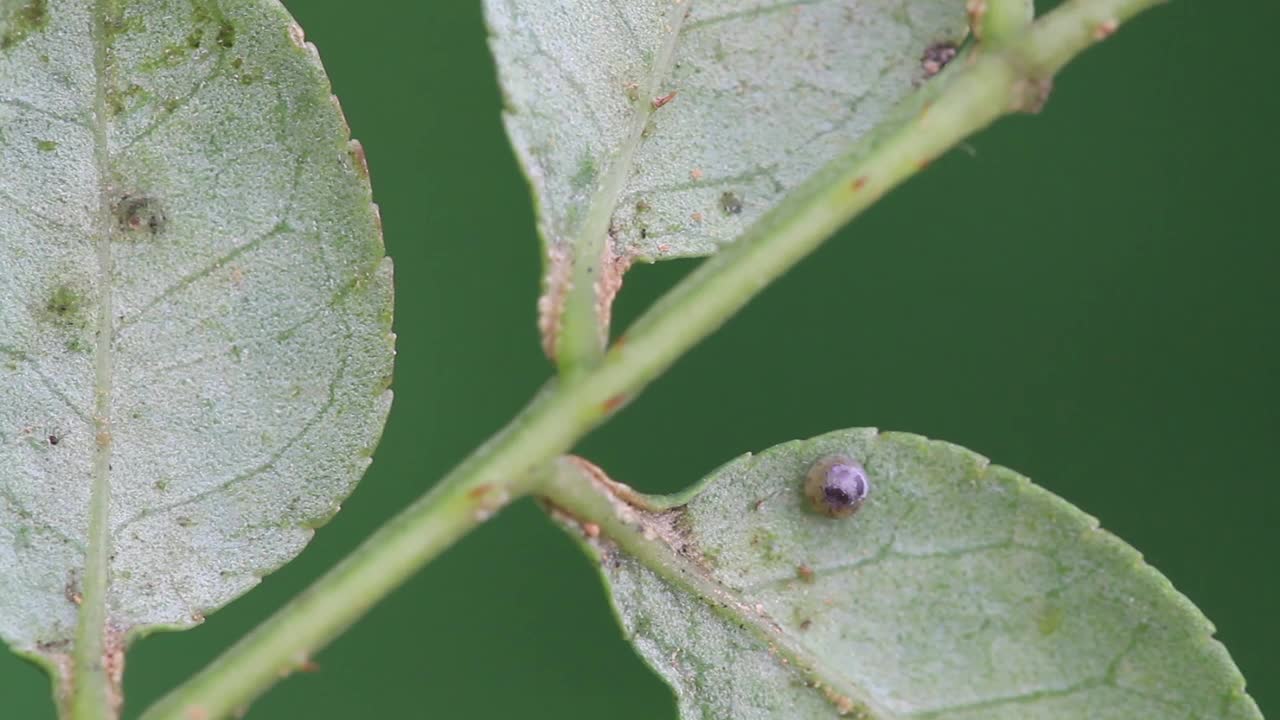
(1087,296)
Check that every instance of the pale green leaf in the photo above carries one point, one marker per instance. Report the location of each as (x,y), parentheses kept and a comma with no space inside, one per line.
(194,310)
(959,591)
(654,129)
(766,93)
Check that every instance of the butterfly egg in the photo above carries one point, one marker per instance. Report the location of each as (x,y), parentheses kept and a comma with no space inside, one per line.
(837,485)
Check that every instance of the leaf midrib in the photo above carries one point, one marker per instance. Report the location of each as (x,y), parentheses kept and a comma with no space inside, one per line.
(582,334)
(92,695)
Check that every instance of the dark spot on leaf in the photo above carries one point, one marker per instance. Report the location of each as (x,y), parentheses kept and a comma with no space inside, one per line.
(358,160)
(936,57)
(23,21)
(140,214)
(115,25)
(54,439)
(120,100)
(71,591)
(65,307)
(226,35)
(184,521)
(731,204)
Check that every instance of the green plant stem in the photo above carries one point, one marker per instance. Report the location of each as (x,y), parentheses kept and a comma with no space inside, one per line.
(971,96)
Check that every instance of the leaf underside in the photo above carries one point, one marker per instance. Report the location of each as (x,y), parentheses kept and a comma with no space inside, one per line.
(658,129)
(765,94)
(192,289)
(958,591)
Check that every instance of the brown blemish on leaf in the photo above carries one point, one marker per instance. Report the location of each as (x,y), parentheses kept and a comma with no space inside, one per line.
(58,656)
(844,704)
(805,573)
(139,214)
(859,183)
(195,712)
(613,266)
(635,510)
(977,10)
(555,286)
(663,100)
(113,665)
(613,403)
(619,492)
(361,163)
(695,174)
(296,34)
(936,57)
(71,591)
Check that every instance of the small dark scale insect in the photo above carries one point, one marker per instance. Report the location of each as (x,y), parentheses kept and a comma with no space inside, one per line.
(837,485)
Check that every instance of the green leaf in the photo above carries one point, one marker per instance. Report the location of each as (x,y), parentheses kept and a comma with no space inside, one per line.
(659,129)
(958,590)
(195,312)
